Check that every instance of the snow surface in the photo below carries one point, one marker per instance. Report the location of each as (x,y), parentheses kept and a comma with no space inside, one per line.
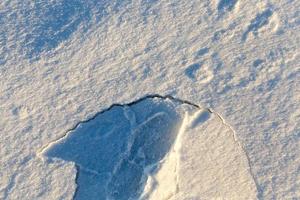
(63,61)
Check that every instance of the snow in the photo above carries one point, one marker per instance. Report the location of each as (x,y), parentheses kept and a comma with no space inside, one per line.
(117,146)
(62,62)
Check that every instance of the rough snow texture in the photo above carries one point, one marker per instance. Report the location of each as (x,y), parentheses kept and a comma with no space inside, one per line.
(63,61)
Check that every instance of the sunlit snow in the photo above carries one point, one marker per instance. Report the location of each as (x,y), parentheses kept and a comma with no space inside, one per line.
(67,66)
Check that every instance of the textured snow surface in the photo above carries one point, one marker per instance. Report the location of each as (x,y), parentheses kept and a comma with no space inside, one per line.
(63,61)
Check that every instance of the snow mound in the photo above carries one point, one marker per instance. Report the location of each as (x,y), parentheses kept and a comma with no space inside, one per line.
(155,148)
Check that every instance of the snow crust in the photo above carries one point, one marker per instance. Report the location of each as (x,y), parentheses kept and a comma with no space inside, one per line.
(156,148)
(205,163)
(63,61)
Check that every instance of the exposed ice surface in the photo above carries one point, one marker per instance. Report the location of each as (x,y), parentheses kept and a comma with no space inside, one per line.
(63,61)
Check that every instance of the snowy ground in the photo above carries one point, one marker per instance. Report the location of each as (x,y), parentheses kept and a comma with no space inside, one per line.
(64,61)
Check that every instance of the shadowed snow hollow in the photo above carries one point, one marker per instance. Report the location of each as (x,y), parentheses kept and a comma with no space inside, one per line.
(156,148)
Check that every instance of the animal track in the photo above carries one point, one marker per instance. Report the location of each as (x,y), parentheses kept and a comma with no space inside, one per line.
(226,5)
(257,23)
(257,62)
(202,52)
(191,70)
(224,33)
(199,72)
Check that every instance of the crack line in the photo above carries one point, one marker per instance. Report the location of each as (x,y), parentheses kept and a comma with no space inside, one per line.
(241,146)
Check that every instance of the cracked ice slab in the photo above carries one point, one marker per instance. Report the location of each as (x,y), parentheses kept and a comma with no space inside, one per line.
(155,148)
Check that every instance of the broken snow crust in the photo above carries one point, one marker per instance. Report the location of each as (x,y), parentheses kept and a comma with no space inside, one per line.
(146,150)
(63,61)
